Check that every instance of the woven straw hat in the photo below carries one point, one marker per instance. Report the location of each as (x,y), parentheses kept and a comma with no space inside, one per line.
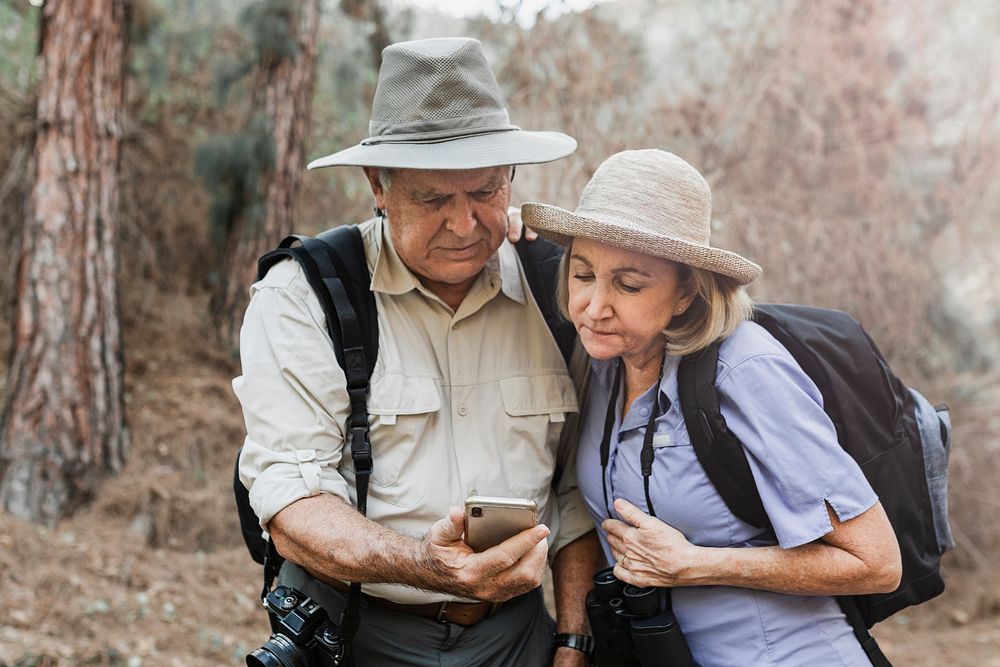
(438,106)
(648,201)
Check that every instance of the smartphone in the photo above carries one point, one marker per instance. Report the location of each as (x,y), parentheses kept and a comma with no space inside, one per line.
(490,520)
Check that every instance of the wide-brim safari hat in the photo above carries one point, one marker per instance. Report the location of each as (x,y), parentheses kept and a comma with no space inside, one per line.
(648,201)
(438,106)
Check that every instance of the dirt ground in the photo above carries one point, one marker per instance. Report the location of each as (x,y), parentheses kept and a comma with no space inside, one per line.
(153,572)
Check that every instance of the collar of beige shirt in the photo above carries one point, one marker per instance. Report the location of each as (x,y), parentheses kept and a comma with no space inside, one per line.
(391,276)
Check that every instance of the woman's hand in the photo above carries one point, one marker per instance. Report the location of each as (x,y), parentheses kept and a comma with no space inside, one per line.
(649,552)
(515,227)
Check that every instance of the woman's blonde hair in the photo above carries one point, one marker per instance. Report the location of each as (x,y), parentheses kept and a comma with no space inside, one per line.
(720,304)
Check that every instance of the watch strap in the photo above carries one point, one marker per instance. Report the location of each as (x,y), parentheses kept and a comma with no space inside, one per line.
(583,643)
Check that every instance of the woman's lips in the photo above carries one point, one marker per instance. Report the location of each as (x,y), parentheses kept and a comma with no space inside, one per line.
(595,333)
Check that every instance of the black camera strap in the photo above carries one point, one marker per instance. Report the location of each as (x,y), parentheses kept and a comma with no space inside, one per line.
(647,455)
(609,425)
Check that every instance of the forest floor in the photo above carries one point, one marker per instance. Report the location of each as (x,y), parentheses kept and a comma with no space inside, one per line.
(154,572)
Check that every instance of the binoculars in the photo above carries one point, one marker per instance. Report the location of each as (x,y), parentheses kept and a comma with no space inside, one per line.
(633,626)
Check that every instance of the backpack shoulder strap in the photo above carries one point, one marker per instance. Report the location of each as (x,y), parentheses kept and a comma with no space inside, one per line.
(540,260)
(720,452)
(349,259)
(337,270)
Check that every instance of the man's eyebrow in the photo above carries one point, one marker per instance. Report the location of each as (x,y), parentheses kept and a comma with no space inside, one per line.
(491,185)
(425,194)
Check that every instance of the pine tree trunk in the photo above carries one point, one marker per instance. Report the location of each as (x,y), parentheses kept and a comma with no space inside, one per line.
(283,92)
(63,425)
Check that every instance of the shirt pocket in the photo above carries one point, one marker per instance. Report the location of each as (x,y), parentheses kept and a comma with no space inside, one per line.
(405,410)
(535,409)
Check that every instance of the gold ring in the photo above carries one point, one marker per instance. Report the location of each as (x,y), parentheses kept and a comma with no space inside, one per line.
(623,563)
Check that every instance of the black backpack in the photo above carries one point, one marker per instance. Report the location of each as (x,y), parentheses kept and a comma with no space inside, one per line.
(899,440)
(335,267)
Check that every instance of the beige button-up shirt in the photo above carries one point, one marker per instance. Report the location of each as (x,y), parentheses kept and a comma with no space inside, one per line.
(462,403)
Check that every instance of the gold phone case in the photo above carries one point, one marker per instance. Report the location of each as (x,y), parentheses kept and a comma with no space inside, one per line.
(490,520)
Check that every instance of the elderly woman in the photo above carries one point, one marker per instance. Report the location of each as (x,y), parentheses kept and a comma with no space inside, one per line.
(644,288)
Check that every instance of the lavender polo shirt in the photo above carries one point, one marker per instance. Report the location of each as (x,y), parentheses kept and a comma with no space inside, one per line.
(776,411)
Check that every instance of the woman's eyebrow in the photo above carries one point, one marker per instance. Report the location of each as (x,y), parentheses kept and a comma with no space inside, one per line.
(632,269)
(620,269)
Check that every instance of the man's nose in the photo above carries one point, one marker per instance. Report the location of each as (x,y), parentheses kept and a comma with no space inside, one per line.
(462,217)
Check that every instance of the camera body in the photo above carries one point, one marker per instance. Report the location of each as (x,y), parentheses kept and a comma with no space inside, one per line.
(634,626)
(301,633)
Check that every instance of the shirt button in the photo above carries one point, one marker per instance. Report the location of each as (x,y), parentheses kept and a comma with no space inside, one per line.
(462,410)
(644,412)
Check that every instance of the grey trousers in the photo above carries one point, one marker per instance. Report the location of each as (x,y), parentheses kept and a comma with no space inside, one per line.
(518,634)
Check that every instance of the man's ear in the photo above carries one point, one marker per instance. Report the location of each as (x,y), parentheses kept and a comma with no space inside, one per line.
(371,173)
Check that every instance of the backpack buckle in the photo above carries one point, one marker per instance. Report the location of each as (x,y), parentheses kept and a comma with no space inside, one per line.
(361,450)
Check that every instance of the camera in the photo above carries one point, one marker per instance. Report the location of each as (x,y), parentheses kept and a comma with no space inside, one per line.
(301,633)
(634,626)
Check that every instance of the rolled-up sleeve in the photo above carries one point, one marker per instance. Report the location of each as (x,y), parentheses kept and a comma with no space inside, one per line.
(776,411)
(293,394)
(574,518)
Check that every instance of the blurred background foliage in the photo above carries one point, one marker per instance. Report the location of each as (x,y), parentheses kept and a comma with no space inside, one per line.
(850,144)
(852,147)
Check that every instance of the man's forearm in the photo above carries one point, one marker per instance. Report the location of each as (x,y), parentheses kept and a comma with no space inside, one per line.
(334,541)
(572,573)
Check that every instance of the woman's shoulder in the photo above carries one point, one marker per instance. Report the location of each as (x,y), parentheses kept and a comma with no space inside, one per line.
(757,354)
(748,341)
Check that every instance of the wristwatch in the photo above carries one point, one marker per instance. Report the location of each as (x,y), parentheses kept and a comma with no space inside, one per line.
(583,643)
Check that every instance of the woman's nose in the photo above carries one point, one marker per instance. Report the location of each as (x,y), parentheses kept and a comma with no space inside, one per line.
(599,305)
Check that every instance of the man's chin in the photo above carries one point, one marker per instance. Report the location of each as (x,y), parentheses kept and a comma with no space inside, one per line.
(475,255)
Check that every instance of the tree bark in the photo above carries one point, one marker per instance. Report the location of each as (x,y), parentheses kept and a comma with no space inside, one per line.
(63,426)
(283,92)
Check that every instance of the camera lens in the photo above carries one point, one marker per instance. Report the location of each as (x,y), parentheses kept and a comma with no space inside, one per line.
(477,512)
(278,651)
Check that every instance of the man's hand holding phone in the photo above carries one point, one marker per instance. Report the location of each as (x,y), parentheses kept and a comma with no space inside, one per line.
(512,567)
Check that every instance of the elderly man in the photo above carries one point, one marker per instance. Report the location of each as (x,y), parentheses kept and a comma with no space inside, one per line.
(468,396)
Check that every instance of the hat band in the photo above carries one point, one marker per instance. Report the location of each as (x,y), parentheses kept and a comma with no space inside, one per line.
(432,130)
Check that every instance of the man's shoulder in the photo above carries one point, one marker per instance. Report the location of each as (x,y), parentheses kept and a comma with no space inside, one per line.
(287,274)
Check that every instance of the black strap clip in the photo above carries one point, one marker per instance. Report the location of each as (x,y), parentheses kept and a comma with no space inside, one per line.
(361,450)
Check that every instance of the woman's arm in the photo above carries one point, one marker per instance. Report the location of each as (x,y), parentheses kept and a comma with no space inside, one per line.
(858,556)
